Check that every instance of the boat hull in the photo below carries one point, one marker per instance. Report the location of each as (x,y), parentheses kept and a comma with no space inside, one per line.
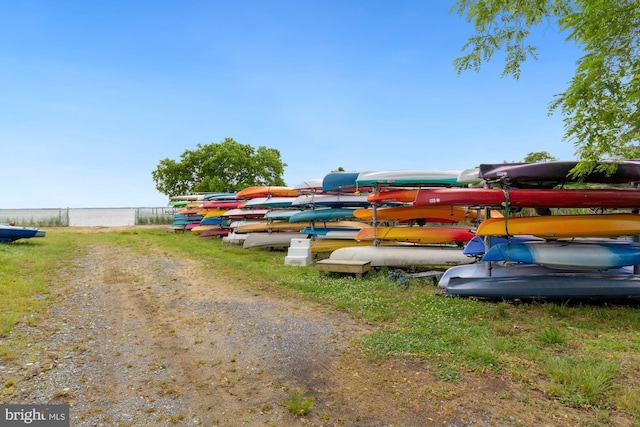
(548,286)
(11,233)
(480,270)
(401,256)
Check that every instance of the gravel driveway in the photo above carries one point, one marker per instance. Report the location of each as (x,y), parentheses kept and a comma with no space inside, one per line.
(151,340)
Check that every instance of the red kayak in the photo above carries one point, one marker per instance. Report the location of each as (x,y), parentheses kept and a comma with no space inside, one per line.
(530,198)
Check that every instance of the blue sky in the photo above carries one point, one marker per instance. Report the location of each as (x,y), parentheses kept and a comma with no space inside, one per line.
(95,93)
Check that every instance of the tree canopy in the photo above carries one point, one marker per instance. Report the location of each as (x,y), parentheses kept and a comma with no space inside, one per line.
(601,103)
(539,157)
(224,167)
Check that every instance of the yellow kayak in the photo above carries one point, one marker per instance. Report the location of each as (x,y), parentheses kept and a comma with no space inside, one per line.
(213,213)
(563,226)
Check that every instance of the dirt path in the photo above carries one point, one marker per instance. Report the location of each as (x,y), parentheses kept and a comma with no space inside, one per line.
(151,340)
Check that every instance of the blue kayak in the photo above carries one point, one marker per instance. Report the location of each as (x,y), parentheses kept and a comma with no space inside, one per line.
(10,233)
(477,246)
(322,214)
(567,255)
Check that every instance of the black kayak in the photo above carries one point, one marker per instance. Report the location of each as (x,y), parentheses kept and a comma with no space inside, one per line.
(552,174)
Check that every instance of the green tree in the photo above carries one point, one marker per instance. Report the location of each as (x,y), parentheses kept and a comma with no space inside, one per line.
(601,103)
(222,167)
(539,156)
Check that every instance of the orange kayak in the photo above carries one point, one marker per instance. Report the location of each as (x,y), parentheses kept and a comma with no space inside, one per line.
(266,191)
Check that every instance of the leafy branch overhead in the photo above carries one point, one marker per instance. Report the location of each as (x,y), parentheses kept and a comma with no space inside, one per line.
(223,167)
(601,103)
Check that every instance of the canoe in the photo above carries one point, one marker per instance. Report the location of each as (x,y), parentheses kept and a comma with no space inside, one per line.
(267,190)
(322,214)
(271,240)
(271,226)
(401,256)
(11,233)
(567,255)
(447,214)
(421,235)
(551,174)
(331,200)
(480,270)
(269,202)
(563,226)
(549,286)
(529,198)
(409,177)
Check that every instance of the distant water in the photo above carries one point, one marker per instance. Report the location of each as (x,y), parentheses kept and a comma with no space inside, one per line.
(85,217)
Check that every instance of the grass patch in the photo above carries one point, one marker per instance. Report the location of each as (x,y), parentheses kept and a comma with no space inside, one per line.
(586,356)
(582,382)
(299,404)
